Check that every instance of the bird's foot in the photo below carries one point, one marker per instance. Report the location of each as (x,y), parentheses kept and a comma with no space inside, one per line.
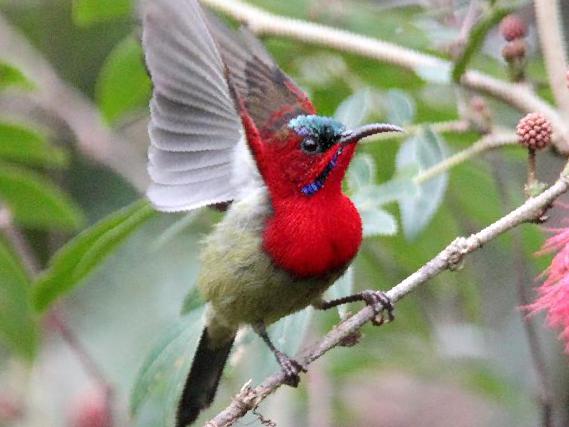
(381,304)
(290,367)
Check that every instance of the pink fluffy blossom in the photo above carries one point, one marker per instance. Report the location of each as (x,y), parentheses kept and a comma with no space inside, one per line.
(553,294)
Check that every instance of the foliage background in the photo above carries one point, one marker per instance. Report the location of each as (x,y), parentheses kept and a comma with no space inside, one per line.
(457,354)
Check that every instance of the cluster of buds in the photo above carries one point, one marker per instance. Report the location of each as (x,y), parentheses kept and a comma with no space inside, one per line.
(514,31)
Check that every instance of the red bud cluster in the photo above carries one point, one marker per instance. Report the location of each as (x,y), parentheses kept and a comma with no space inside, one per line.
(534,131)
(513,28)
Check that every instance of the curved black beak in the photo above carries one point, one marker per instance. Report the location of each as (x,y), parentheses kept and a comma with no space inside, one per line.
(354,135)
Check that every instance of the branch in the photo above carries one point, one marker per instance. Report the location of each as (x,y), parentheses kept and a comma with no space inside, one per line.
(449,258)
(94,138)
(517,95)
(549,27)
(486,143)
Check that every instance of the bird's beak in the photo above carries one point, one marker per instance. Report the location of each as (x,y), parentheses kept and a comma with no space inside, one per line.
(354,135)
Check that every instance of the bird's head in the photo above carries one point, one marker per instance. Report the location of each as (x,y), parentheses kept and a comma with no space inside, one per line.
(310,155)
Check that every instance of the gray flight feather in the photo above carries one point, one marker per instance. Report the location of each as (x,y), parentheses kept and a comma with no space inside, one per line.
(194,128)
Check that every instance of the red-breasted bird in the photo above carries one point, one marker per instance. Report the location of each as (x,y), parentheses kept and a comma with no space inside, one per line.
(229,127)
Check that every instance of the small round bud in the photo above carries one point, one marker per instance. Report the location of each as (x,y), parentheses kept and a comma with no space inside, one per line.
(534,131)
(514,50)
(512,28)
(90,409)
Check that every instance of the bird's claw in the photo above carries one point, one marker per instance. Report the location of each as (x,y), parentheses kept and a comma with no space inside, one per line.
(291,368)
(381,305)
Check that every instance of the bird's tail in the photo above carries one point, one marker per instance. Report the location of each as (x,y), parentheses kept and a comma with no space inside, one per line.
(201,384)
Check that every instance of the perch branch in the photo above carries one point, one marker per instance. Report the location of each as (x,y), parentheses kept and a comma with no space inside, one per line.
(265,23)
(450,258)
(549,27)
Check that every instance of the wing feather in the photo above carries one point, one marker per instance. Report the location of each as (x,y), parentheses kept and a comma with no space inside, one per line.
(194,127)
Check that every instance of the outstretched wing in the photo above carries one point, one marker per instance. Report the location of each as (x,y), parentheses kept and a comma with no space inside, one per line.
(194,127)
(270,97)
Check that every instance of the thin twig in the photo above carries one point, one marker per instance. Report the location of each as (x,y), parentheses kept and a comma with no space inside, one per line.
(449,258)
(452,126)
(517,95)
(552,41)
(486,143)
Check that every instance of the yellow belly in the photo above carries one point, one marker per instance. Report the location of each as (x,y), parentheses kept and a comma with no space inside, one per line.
(238,278)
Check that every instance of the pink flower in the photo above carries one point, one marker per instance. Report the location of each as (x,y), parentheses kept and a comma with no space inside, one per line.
(553,294)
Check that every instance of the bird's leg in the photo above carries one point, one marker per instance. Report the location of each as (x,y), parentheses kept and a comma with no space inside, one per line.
(290,367)
(377,300)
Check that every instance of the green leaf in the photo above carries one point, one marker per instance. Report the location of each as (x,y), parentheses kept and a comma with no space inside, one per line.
(11,76)
(18,328)
(35,202)
(437,74)
(342,287)
(361,172)
(356,108)
(417,208)
(401,107)
(123,84)
(161,379)
(377,222)
(21,144)
(88,12)
(81,255)
(475,40)
(192,300)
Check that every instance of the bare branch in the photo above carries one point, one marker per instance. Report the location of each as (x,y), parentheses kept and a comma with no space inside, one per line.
(517,95)
(449,258)
(549,27)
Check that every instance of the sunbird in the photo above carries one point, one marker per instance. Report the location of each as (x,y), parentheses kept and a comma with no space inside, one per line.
(229,129)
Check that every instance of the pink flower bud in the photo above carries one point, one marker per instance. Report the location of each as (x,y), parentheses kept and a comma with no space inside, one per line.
(534,131)
(512,28)
(90,409)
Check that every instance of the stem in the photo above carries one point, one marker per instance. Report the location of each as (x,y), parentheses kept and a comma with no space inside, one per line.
(517,95)
(448,259)
(532,169)
(487,143)
(550,29)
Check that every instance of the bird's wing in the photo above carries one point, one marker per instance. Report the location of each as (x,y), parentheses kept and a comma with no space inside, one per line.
(270,97)
(194,128)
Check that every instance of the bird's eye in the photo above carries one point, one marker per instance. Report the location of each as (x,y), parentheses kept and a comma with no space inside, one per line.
(309,145)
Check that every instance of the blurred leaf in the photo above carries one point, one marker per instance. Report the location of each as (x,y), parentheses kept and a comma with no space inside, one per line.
(421,151)
(82,254)
(123,84)
(476,39)
(11,76)
(361,172)
(355,109)
(192,301)
(377,222)
(35,202)
(18,329)
(439,74)
(18,143)
(88,12)
(343,287)
(161,379)
(400,107)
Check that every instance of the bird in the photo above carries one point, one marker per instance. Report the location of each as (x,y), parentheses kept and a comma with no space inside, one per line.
(230,130)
